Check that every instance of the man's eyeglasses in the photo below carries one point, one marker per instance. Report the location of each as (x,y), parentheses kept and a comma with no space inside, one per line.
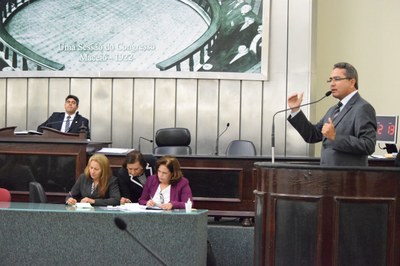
(335,79)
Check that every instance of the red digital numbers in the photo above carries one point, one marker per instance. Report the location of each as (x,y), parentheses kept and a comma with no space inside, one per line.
(379,129)
(391,129)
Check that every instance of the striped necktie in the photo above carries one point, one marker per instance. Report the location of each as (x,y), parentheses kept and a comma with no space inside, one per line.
(337,109)
(67,123)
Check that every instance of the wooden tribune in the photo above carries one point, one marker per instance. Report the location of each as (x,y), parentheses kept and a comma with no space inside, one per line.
(51,143)
(327,216)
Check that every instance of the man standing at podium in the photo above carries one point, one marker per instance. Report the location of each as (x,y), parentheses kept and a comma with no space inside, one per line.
(348,129)
(69,121)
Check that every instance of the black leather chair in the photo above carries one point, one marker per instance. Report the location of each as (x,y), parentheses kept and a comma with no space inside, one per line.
(241,148)
(36,193)
(173,141)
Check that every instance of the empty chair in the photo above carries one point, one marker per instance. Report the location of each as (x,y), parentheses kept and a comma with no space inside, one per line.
(173,141)
(5,195)
(241,148)
(36,193)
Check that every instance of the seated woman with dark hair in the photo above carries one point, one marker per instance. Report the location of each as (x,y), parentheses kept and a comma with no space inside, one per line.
(132,176)
(96,185)
(168,189)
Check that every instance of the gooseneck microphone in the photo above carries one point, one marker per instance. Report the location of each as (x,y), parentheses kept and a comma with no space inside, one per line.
(328,93)
(121,224)
(217,140)
(40,128)
(140,138)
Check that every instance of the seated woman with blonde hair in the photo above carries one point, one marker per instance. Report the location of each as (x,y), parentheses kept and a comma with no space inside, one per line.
(96,185)
(168,189)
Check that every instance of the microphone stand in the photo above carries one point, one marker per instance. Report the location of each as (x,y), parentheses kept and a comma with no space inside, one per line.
(140,138)
(83,129)
(284,110)
(217,140)
(122,226)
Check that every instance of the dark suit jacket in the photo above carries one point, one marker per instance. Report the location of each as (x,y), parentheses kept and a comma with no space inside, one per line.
(83,186)
(56,119)
(129,189)
(180,192)
(355,133)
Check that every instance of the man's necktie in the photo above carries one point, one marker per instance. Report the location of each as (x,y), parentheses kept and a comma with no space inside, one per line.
(67,123)
(337,109)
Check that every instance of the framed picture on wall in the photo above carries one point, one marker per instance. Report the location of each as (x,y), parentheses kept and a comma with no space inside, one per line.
(130,38)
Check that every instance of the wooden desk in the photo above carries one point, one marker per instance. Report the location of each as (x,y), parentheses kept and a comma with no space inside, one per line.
(224,185)
(327,216)
(54,159)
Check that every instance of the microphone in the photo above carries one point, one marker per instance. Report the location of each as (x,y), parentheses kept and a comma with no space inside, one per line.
(217,140)
(40,128)
(140,138)
(120,223)
(328,93)
(52,123)
(83,128)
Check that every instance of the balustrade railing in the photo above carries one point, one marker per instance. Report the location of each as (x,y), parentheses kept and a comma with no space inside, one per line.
(197,52)
(14,53)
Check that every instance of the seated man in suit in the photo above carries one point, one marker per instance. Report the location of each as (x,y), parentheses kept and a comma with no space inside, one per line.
(69,121)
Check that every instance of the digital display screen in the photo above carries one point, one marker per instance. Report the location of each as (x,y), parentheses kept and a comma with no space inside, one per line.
(387,128)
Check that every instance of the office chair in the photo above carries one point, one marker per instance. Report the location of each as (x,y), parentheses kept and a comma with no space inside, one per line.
(173,141)
(36,193)
(241,148)
(5,195)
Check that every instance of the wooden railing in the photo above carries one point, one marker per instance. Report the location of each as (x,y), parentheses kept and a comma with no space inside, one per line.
(197,51)
(21,57)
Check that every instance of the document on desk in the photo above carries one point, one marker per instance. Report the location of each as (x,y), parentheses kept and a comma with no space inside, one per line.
(83,205)
(114,151)
(132,207)
(28,132)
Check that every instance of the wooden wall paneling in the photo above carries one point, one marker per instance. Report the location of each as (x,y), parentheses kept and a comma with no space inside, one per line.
(122,113)
(3,102)
(207,117)
(186,107)
(250,114)
(81,87)
(165,103)
(59,88)
(101,109)
(37,95)
(143,113)
(229,112)
(17,103)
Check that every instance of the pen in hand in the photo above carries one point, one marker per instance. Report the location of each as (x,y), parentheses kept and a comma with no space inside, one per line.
(71,200)
(152,202)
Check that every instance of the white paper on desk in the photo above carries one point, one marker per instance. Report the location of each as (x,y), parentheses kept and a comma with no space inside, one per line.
(133,207)
(83,205)
(28,132)
(114,151)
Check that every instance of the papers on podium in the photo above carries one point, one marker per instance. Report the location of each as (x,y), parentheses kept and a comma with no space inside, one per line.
(114,151)
(28,132)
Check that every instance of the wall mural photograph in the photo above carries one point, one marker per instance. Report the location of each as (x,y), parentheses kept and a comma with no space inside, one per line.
(187,36)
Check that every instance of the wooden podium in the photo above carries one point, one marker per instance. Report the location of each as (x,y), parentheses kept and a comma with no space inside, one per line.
(313,215)
(42,154)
